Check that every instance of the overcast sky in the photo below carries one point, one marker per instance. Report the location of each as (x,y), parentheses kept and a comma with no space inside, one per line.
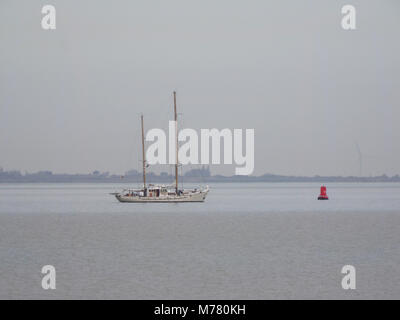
(70,98)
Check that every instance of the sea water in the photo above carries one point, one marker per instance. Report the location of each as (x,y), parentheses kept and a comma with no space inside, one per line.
(247,241)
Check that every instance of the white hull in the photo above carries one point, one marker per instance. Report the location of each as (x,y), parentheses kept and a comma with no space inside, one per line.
(190,197)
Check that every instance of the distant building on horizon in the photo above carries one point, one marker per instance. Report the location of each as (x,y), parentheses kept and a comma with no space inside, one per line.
(204,171)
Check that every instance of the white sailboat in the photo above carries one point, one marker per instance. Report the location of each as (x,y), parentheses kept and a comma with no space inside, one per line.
(162,193)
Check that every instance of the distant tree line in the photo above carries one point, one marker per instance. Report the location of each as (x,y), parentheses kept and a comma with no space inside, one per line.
(201,174)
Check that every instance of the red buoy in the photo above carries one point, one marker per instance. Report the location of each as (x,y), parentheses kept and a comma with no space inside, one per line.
(323,195)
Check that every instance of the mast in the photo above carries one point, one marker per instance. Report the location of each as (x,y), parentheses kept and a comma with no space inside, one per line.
(176,144)
(143,157)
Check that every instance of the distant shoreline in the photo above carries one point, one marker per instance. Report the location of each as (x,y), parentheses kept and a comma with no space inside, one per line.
(194,176)
(188,182)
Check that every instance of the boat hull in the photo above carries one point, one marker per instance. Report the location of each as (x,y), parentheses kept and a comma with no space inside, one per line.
(196,197)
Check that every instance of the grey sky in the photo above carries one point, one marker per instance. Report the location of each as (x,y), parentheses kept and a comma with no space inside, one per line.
(70,98)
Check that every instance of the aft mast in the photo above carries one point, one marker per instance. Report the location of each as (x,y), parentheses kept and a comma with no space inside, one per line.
(143,157)
(176,145)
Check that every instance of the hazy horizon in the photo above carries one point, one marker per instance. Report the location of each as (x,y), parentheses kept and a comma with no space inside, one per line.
(70,98)
(170,173)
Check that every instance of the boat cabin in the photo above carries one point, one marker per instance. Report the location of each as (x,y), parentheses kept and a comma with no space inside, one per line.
(157,191)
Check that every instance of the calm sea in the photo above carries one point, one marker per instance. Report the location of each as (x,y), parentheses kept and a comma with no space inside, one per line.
(247,241)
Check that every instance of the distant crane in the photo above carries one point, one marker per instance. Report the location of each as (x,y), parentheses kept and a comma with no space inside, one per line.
(359,159)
